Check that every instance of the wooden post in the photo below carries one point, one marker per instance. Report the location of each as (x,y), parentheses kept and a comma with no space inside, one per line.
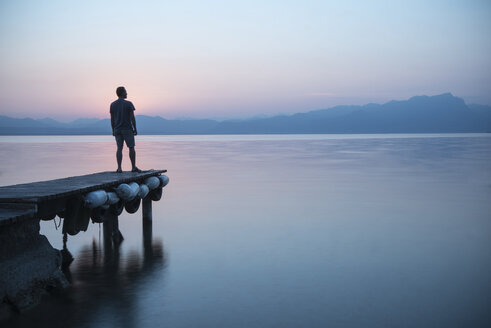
(117,236)
(111,230)
(108,231)
(147,226)
(147,209)
(147,238)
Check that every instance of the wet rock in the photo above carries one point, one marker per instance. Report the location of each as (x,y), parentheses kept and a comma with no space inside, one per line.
(29,265)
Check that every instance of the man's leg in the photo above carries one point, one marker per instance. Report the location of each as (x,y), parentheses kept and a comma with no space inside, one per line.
(119,157)
(130,142)
(119,151)
(133,158)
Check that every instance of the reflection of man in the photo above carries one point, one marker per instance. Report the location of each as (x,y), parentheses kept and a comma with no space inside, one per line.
(124,127)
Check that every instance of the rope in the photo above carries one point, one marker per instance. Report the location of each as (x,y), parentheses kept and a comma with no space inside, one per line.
(59,224)
(65,239)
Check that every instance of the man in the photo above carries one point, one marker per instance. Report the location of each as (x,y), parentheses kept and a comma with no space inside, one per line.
(124,127)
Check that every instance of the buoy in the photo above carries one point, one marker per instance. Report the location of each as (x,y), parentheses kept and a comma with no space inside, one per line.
(95,198)
(144,190)
(152,182)
(164,180)
(83,219)
(135,189)
(134,186)
(97,214)
(133,205)
(112,198)
(156,194)
(76,216)
(124,191)
(116,209)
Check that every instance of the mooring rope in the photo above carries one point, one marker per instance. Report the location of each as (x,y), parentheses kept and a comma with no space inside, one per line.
(65,239)
(57,225)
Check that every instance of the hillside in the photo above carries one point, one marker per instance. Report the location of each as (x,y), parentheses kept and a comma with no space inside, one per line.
(443,113)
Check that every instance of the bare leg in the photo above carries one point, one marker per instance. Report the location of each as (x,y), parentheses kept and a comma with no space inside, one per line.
(133,158)
(119,157)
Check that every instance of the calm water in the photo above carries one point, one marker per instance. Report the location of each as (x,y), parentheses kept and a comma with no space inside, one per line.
(279,231)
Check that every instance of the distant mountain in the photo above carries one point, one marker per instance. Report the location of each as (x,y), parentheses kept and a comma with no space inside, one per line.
(84,121)
(443,113)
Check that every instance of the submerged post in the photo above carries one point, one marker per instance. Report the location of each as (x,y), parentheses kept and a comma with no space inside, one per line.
(147,225)
(117,236)
(147,237)
(111,230)
(108,229)
(147,209)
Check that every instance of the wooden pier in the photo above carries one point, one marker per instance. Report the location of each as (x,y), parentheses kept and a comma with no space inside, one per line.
(28,263)
(37,192)
(45,192)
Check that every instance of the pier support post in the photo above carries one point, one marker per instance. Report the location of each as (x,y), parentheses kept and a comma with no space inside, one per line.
(116,234)
(147,209)
(147,237)
(107,231)
(147,225)
(111,230)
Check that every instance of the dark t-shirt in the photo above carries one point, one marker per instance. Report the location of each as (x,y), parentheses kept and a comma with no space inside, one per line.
(121,111)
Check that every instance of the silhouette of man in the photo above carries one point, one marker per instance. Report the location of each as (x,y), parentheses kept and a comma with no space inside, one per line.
(123,124)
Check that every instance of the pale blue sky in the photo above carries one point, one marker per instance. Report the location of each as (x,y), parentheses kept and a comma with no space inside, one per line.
(64,59)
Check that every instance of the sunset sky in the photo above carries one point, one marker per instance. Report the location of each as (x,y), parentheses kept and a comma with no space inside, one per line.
(228,59)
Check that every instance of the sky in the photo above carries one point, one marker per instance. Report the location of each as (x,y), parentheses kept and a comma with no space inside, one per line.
(236,59)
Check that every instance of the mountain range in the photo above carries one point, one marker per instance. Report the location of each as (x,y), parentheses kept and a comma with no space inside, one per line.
(443,113)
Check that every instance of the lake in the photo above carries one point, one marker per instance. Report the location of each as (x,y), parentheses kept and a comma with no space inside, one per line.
(278,231)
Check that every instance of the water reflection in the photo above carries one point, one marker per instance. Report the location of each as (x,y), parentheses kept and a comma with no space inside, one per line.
(105,286)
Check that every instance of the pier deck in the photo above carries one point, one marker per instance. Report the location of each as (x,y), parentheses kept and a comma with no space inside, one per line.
(24,201)
(37,192)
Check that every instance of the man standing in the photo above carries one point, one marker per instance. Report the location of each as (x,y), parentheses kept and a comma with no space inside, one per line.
(124,127)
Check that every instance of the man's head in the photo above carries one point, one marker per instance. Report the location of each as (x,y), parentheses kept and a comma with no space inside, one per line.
(121,92)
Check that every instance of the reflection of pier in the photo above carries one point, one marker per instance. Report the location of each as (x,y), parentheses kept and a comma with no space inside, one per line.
(105,278)
(28,263)
(102,279)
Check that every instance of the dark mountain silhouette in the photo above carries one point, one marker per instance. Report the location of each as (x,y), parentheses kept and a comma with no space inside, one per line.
(443,113)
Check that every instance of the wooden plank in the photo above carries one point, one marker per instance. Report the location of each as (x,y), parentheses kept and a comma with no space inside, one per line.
(37,192)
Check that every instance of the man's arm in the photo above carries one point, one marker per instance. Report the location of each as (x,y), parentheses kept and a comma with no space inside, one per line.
(112,119)
(133,122)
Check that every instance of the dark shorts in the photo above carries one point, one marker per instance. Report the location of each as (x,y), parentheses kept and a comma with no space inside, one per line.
(125,136)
